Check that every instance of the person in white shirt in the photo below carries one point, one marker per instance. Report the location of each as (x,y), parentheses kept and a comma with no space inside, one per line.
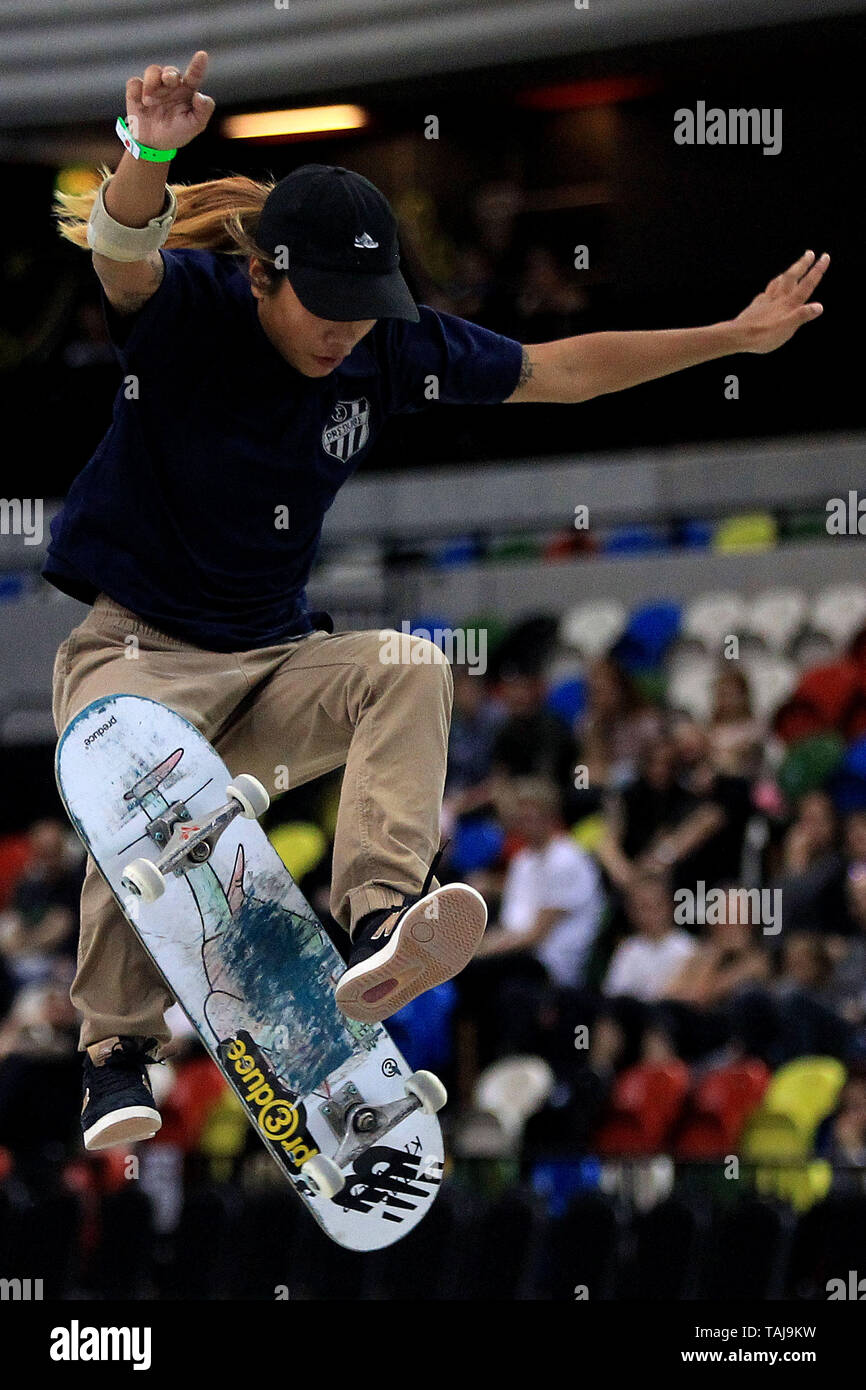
(645,964)
(552,899)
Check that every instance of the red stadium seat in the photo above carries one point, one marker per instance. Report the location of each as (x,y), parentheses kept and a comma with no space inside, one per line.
(197,1088)
(830,697)
(14,857)
(643,1108)
(718,1108)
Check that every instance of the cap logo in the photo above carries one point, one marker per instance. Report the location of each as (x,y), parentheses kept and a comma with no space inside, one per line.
(365,242)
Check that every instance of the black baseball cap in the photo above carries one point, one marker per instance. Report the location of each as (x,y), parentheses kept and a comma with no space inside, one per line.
(340,234)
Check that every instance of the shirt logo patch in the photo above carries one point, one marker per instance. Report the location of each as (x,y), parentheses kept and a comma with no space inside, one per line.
(365,242)
(348,430)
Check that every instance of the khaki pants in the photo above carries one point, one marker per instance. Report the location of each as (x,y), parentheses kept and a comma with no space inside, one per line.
(286,714)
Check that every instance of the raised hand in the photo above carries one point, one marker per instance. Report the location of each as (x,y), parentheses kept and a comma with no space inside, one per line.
(166,110)
(775,315)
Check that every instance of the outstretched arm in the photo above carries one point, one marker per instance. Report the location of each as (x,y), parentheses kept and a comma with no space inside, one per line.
(595,364)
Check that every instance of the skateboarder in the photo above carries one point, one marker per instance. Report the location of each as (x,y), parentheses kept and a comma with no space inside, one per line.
(254,385)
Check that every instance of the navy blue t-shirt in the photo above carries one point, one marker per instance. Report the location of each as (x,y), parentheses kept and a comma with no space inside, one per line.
(202,508)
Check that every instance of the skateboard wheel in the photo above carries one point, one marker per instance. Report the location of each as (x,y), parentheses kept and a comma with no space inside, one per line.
(251,794)
(144,879)
(323,1175)
(427,1090)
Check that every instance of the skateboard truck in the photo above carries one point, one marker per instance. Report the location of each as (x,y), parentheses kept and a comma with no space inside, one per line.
(185,844)
(359,1125)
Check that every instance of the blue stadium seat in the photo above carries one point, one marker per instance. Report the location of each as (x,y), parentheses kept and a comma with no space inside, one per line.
(567,699)
(651,630)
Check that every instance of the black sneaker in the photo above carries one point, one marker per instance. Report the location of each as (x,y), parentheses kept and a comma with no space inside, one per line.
(398,952)
(118,1103)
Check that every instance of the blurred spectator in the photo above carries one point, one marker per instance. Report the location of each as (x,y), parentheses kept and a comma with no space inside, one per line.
(40,927)
(661,823)
(736,737)
(530,742)
(40,1072)
(617,728)
(728,958)
(551,909)
(552,899)
(842,1136)
(645,963)
(475,721)
(813,870)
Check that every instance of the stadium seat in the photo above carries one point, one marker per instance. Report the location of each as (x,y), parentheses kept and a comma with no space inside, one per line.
(710,618)
(826,699)
(514,548)
(590,831)
(428,623)
(776,617)
(512,1089)
(636,540)
(300,845)
(423,1028)
(848,785)
(567,699)
(695,534)
(717,1109)
(14,855)
(804,526)
(476,845)
(690,684)
(800,1095)
(772,678)
(592,628)
(839,612)
(198,1088)
(645,1103)
(648,635)
(753,531)
(809,763)
(463,550)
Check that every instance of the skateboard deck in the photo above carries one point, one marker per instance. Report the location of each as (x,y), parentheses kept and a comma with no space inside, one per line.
(253,969)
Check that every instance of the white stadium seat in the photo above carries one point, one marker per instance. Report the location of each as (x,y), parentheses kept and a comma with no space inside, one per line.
(839,612)
(691,680)
(513,1089)
(772,679)
(592,628)
(710,618)
(776,617)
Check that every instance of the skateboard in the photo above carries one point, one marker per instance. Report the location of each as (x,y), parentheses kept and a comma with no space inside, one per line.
(177,840)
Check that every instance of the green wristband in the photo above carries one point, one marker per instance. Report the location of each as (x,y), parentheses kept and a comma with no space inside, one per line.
(141,151)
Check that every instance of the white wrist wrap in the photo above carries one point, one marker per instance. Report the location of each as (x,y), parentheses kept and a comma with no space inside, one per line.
(118,243)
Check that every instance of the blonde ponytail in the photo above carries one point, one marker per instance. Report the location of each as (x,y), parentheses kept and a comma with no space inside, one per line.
(220,215)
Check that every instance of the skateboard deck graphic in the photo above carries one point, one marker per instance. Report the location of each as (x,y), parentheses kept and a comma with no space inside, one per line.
(248,961)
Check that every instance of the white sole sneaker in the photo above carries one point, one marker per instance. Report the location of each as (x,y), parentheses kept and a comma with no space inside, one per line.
(433,941)
(125,1126)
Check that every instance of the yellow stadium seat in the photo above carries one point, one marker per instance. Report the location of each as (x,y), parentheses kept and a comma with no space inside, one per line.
(801,1185)
(589,832)
(798,1098)
(755,531)
(300,845)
